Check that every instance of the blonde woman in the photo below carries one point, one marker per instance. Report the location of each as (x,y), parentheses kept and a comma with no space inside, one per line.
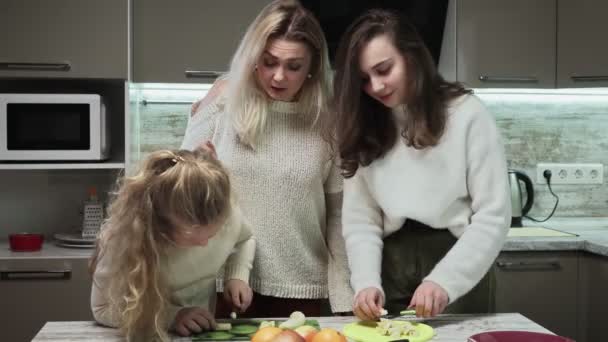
(264,118)
(155,266)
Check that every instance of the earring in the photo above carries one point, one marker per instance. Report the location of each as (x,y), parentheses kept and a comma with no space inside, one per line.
(255,67)
(309,76)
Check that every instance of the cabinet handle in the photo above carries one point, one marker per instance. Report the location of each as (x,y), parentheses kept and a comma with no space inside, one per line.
(65,66)
(529,265)
(485,78)
(36,275)
(589,78)
(152,102)
(203,74)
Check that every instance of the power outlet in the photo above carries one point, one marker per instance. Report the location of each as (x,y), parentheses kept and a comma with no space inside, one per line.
(571,173)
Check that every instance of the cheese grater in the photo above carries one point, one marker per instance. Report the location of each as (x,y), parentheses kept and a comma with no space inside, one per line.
(93,215)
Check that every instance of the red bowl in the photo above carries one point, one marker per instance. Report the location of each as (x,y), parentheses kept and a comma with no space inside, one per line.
(25,242)
(516,336)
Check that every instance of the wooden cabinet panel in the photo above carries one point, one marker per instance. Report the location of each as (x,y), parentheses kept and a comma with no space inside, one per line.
(594,299)
(35,291)
(64,38)
(506,43)
(170,38)
(582,52)
(542,286)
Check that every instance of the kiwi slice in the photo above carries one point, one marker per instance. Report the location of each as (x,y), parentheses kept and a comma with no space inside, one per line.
(214,335)
(243,329)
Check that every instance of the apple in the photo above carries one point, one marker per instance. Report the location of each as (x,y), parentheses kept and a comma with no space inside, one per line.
(307,331)
(288,335)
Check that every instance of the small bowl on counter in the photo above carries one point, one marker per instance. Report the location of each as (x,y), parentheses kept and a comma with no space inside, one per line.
(25,242)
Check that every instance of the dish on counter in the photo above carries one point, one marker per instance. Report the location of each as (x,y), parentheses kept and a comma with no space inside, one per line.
(74,245)
(516,336)
(73,238)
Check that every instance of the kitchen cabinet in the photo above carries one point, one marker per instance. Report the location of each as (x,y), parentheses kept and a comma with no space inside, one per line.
(64,38)
(542,286)
(506,43)
(582,54)
(594,298)
(35,291)
(187,40)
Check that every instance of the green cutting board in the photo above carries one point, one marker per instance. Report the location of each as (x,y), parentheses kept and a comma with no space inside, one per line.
(366,332)
(232,336)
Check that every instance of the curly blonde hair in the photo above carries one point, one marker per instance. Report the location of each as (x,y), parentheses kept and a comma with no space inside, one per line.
(192,187)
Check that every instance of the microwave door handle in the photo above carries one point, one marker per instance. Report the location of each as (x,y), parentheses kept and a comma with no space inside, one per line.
(62,66)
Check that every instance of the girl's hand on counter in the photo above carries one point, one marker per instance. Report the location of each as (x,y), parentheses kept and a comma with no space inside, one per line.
(368,304)
(193,320)
(238,293)
(429,299)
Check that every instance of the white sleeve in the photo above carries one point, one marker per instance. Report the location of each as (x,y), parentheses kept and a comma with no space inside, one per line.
(363,230)
(487,180)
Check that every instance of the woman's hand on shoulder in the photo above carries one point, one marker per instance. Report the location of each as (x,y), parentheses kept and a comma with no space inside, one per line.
(368,304)
(429,299)
(238,293)
(193,320)
(216,90)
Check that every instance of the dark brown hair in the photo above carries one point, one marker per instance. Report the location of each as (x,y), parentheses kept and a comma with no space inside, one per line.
(363,129)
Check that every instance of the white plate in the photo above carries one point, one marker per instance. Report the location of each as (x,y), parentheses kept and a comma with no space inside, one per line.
(73,238)
(71,245)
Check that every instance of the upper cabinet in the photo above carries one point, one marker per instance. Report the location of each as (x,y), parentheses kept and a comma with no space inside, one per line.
(64,38)
(188,40)
(582,52)
(506,43)
(526,44)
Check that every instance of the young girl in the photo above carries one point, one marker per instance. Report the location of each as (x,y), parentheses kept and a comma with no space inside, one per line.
(170,228)
(426,200)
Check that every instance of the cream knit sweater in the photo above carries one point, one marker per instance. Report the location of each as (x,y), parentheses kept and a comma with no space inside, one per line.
(460,185)
(190,271)
(290,191)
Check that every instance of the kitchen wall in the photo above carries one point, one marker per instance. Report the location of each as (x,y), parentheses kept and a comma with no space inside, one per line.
(48,201)
(560,126)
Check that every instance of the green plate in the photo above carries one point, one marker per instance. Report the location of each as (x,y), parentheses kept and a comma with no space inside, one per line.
(366,331)
(242,330)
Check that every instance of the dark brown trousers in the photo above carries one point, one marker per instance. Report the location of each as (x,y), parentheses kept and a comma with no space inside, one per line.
(410,254)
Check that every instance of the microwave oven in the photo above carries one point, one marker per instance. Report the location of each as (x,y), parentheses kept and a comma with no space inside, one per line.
(53,127)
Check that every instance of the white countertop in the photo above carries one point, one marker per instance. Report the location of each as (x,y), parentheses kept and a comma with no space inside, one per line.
(448,328)
(592,237)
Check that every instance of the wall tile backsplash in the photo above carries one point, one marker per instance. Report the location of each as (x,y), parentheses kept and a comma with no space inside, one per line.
(538,126)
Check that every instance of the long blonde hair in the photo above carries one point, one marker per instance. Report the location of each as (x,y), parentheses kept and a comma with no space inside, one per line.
(245,100)
(190,186)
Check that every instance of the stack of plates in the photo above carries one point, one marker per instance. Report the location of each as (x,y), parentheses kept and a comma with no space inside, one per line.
(73,240)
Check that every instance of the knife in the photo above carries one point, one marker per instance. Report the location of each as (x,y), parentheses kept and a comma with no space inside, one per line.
(403,313)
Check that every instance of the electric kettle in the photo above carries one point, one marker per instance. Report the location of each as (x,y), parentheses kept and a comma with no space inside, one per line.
(518,207)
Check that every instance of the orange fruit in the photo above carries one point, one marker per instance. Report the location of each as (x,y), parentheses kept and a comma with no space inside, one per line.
(266,334)
(328,335)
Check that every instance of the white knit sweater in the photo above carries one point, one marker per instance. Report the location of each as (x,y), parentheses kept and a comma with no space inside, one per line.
(190,271)
(285,188)
(460,184)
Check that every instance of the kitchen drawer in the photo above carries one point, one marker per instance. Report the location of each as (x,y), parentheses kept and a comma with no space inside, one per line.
(542,286)
(35,291)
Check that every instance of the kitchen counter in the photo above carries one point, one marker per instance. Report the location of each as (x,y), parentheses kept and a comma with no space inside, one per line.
(49,251)
(448,328)
(592,237)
